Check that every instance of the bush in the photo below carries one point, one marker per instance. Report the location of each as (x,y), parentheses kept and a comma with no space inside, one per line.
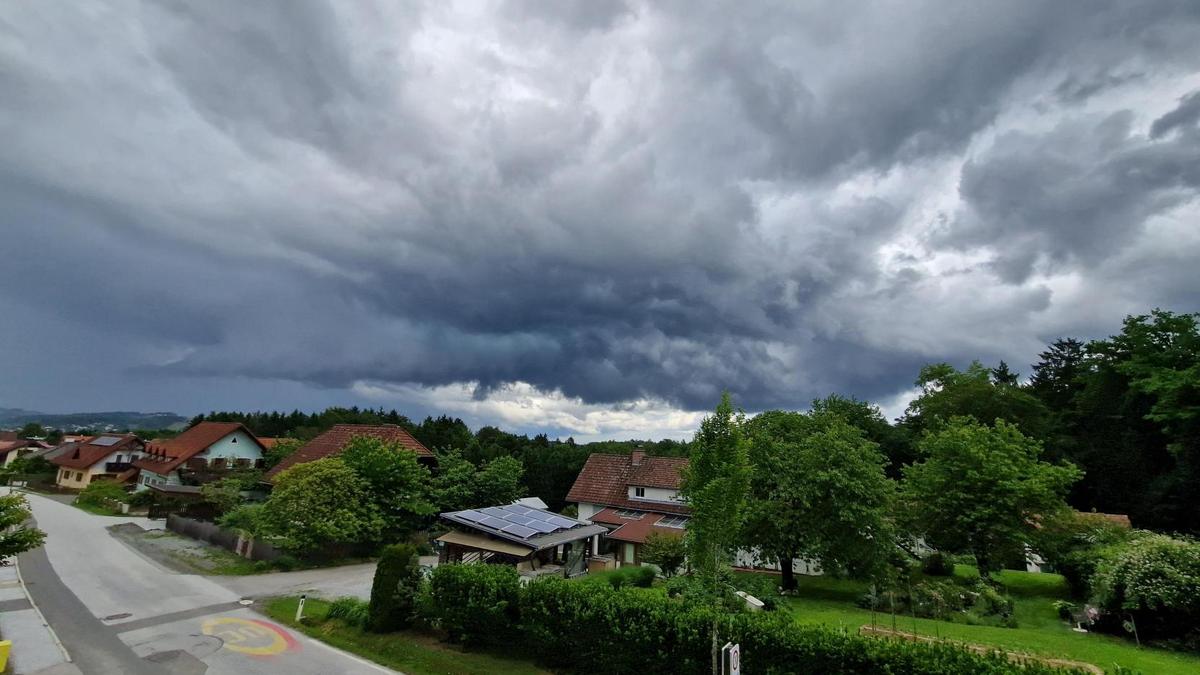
(975,603)
(143,498)
(476,604)
(394,589)
(765,587)
(1155,579)
(936,564)
(642,577)
(102,493)
(1065,610)
(665,551)
(594,628)
(353,611)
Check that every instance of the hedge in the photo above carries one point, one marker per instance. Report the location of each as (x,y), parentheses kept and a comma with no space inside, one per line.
(597,629)
(476,604)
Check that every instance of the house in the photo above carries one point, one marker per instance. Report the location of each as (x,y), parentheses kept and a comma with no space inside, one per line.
(12,446)
(203,453)
(630,496)
(536,541)
(110,456)
(334,441)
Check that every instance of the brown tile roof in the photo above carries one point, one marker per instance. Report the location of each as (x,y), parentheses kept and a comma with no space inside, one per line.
(9,436)
(333,441)
(1114,518)
(605,480)
(166,456)
(633,529)
(83,455)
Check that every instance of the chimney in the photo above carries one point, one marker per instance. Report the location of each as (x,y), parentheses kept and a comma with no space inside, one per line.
(638,456)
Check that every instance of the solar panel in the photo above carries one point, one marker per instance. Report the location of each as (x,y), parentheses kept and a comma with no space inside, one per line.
(514,518)
(560,522)
(542,527)
(493,511)
(520,531)
(541,516)
(105,441)
(494,523)
(473,516)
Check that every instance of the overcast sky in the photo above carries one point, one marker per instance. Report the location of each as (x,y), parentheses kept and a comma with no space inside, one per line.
(586,218)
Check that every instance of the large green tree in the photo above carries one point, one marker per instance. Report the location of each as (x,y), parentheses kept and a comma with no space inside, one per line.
(976,392)
(396,482)
(322,506)
(894,440)
(715,483)
(982,489)
(819,492)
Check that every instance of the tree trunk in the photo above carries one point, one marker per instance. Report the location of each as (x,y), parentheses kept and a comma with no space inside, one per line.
(788,579)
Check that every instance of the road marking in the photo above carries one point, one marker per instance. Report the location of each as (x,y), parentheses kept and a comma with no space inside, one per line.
(249,636)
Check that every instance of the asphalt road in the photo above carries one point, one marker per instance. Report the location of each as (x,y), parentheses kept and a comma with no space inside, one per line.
(118,612)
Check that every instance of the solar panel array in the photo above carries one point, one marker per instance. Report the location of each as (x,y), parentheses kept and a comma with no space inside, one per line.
(516,520)
(105,441)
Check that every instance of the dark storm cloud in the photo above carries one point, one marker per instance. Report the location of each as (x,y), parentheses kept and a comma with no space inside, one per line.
(617,200)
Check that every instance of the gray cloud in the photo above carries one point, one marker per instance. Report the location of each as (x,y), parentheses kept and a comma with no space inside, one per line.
(615,200)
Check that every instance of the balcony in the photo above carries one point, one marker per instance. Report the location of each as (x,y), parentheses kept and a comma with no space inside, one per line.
(117,467)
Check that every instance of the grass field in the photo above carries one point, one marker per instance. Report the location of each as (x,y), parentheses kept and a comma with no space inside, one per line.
(409,652)
(830,602)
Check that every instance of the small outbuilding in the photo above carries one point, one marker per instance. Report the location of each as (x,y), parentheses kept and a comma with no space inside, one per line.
(535,541)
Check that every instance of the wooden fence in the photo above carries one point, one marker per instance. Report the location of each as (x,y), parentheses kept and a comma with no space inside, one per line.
(215,535)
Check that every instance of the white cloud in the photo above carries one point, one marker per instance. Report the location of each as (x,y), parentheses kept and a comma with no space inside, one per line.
(522,406)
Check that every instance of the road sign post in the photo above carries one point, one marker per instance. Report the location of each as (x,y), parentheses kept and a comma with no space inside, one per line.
(731,659)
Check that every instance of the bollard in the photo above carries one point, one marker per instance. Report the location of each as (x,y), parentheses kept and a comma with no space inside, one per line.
(300,609)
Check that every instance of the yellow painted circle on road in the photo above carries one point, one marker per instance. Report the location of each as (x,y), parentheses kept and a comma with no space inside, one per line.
(257,638)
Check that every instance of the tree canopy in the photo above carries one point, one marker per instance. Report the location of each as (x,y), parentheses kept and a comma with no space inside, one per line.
(818,492)
(322,506)
(981,490)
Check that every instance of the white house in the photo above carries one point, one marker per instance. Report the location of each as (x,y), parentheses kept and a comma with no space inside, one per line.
(201,453)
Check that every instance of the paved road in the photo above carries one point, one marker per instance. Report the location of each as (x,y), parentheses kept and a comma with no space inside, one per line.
(118,612)
(328,582)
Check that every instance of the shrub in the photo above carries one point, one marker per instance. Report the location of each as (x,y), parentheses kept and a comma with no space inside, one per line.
(1155,579)
(665,551)
(143,498)
(353,611)
(594,628)
(102,493)
(630,575)
(394,589)
(1065,610)
(936,564)
(476,604)
(765,587)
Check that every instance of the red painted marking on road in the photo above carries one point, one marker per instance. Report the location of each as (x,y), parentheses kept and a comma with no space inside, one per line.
(287,637)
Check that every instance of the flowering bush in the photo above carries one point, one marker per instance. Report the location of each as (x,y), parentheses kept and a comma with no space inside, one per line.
(1155,580)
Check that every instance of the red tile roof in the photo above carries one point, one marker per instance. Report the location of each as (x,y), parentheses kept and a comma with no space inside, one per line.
(605,480)
(333,441)
(633,529)
(83,455)
(166,456)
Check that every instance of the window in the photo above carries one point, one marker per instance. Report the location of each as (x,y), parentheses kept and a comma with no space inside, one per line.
(242,463)
(218,462)
(639,492)
(145,480)
(78,475)
(678,522)
(629,514)
(233,440)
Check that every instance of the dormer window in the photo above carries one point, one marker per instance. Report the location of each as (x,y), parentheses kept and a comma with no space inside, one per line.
(639,492)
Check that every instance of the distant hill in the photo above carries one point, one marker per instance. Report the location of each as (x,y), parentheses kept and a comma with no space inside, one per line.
(100,421)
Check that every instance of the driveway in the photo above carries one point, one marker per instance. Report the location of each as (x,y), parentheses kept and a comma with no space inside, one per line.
(117,612)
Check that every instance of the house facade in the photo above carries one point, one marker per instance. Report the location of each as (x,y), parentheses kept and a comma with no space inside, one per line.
(203,453)
(631,496)
(110,456)
(332,442)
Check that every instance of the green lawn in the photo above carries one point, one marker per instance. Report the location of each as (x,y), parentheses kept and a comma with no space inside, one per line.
(409,652)
(828,601)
